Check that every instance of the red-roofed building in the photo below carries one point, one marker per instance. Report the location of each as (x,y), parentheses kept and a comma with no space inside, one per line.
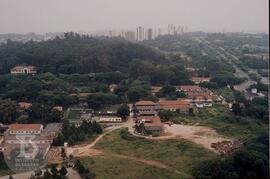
(180,106)
(150,124)
(145,103)
(146,108)
(201,97)
(25,129)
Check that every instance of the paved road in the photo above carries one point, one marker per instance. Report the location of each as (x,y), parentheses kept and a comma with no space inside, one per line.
(238,72)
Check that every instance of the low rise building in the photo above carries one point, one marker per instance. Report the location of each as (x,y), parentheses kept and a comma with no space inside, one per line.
(23,70)
(149,124)
(180,106)
(198,80)
(25,129)
(108,119)
(24,105)
(38,140)
(146,105)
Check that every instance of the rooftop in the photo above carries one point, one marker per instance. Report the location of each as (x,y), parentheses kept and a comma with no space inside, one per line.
(169,104)
(24,105)
(150,120)
(28,127)
(145,103)
(155,89)
(21,67)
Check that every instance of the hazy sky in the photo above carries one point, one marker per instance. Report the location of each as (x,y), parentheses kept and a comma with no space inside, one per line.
(88,15)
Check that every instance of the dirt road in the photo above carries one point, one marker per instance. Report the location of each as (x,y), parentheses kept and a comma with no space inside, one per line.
(86,150)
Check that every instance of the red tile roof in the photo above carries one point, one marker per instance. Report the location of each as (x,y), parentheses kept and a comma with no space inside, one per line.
(145,103)
(17,127)
(150,120)
(175,104)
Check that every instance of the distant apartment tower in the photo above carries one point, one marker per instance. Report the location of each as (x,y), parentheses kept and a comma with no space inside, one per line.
(130,36)
(149,34)
(171,29)
(140,34)
(23,70)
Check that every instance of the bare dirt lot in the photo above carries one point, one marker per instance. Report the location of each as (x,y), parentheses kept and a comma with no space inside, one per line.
(204,136)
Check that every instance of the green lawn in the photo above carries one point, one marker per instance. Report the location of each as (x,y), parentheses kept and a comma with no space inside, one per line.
(110,167)
(176,153)
(224,122)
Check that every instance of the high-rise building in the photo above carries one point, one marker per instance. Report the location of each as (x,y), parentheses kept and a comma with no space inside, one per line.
(171,29)
(130,35)
(140,34)
(149,34)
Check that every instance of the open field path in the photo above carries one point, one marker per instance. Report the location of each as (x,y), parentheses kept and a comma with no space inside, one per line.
(148,162)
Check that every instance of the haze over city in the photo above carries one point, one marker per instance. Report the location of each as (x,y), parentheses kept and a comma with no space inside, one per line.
(90,15)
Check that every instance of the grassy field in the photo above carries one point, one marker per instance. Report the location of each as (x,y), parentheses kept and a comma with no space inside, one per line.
(118,168)
(175,153)
(224,122)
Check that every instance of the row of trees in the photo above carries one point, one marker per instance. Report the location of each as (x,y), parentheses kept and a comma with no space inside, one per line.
(257,108)
(72,134)
(9,113)
(75,55)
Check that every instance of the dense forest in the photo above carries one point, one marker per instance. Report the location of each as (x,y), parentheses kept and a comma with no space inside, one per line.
(75,54)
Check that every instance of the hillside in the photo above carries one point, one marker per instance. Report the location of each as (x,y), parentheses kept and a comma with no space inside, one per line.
(76,54)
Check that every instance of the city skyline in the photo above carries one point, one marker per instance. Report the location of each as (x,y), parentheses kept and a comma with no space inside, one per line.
(42,16)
